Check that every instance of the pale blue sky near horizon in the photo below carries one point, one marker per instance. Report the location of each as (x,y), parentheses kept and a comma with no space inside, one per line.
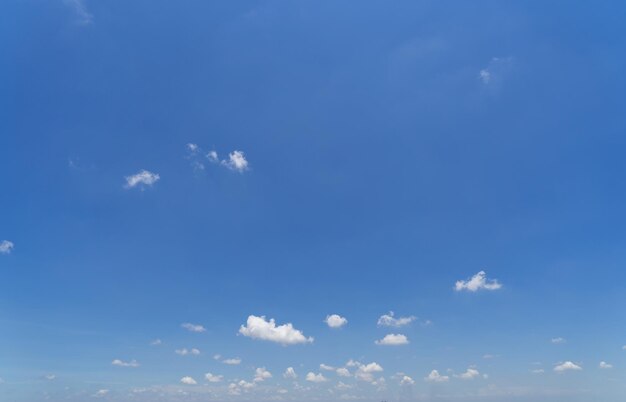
(370,155)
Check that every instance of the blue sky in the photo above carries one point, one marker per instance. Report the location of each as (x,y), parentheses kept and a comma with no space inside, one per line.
(312,200)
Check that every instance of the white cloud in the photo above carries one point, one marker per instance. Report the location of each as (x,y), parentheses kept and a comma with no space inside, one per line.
(605,365)
(50,377)
(83,16)
(326,367)
(567,366)
(144,177)
(260,328)
(261,374)
(212,156)
(185,351)
(537,371)
(343,386)
(6,247)
(193,148)
(485,76)
(406,380)
(290,373)
(236,161)
(470,374)
(388,320)
(120,363)
(365,372)
(188,380)
(495,71)
(193,327)
(477,282)
(312,377)
(101,393)
(232,362)
(335,321)
(558,340)
(343,372)
(434,376)
(393,340)
(213,378)
(156,342)
(217,357)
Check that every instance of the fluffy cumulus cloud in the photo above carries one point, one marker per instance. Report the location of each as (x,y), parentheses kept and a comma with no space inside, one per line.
(193,327)
(393,340)
(120,363)
(232,362)
(469,374)
(6,247)
(366,372)
(290,373)
(335,321)
(319,377)
(188,380)
(261,374)
(143,178)
(434,376)
(343,372)
(567,366)
(260,328)
(236,161)
(605,365)
(406,380)
(210,377)
(389,320)
(477,282)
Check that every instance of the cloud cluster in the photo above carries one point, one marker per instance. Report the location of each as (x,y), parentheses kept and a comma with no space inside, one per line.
(260,328)
(141,179)
(388,320)
(235,161)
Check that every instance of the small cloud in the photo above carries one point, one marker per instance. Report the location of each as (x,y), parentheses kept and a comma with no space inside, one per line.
(236,161)
(120,363)
(365,372)
(605,365)
(213,378)
(493,74)
(470,374)
(185,352)
(193,148)
(188,381)
(558,340)
(537,371)
(317,378)
(232,362)
(343,372)
(143,178)
(260,328)
(406,380)
(485,76)
(335,321)
(50,377)
(6,247)
(101,393)
(217,357)
(567,366)
(212,156)
(434,376)
(477,282)
(290,373)
(489,356)
(326,367)
(156,342)
(393,340)
(261,374)
(388,320)
(193,327)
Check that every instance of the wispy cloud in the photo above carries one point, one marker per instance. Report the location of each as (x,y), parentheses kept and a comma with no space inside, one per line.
(193,327)
(558,340)
(434,376)
(477,282)
(389,320)
(186,352)
(6,247)
(236,161)
(143,178)
(213,378)
(605,365)
(567,366)
(83,16)
(232,362)
(290,373)
(121,363)
(260,328)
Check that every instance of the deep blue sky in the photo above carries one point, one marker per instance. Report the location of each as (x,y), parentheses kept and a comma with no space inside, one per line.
(393,148)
